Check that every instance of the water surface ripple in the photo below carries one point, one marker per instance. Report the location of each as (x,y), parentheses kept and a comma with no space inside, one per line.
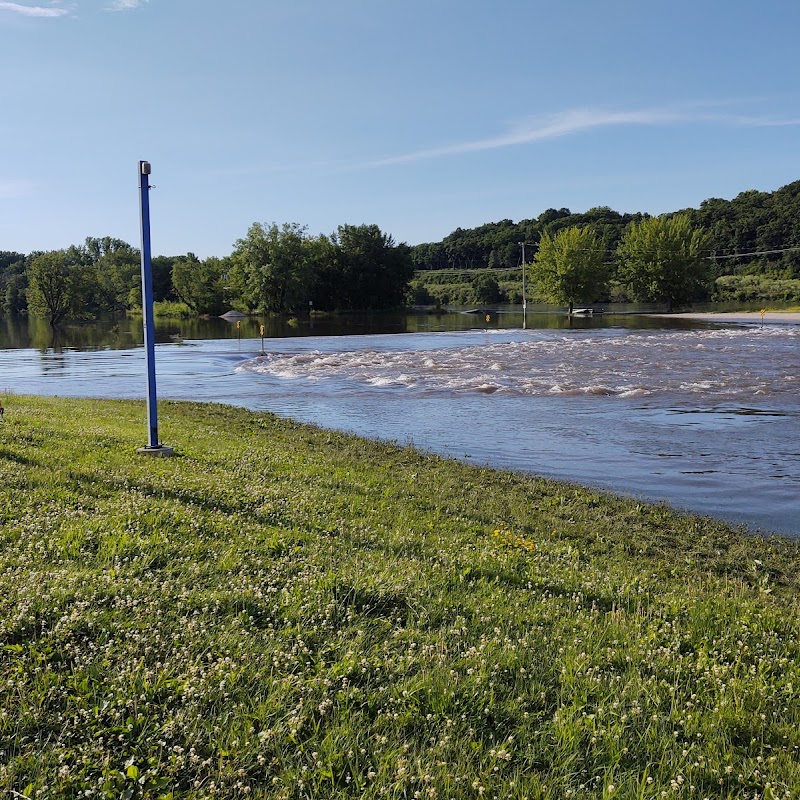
(722,364)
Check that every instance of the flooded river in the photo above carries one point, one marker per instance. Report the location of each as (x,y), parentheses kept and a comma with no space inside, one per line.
(704,417)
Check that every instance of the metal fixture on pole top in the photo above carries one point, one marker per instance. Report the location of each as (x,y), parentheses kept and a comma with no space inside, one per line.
(153,447)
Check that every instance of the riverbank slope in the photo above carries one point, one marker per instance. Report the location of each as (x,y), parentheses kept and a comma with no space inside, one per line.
(283,611)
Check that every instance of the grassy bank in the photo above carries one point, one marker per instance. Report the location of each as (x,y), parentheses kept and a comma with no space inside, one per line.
(281,611)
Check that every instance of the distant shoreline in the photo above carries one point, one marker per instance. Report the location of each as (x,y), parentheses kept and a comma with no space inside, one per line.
(790,317)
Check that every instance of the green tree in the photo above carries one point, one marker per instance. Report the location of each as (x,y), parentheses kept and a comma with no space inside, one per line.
(664,259)
(55,285)
(570,265)
(162,279)
(373,272)
(97,247)
(14,297)
(117,269)
(323,273)
(13,282)
(486,288)
(271,267)
(200,284)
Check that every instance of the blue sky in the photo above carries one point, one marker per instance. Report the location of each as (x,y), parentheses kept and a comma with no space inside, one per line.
(419,116)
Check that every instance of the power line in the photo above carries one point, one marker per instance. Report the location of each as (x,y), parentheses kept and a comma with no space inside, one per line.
(608,253)
(755,253)
(466,271)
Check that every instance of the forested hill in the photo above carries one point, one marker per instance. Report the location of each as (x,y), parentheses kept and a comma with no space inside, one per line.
(767,223)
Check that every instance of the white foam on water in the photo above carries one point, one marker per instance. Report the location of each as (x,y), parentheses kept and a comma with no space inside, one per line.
(609,363)
(634,391)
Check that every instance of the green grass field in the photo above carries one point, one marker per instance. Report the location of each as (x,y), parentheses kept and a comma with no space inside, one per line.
(284,612)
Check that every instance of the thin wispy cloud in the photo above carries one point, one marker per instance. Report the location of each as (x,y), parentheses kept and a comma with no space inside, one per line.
(759,122)
(527,132)
(536,129)
(568,123)
(125,5)
(33,11)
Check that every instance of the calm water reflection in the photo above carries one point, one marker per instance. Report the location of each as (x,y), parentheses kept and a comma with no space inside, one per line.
(121,333)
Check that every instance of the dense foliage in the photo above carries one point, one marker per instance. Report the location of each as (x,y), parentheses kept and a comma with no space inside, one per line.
(664,259)
(285,612)
(750,251)
(744,249)
(282,268)
(570,265)
(752,222)
(272,269)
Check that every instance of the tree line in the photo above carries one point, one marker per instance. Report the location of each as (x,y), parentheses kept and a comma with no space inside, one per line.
(273,268)
(763,222)
(659,259)
(738,249)
(746,249)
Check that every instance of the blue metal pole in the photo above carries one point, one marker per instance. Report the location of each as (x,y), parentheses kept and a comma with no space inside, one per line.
(147,305)
(524,297)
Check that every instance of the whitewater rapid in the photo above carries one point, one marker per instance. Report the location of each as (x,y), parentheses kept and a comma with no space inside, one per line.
(716,365)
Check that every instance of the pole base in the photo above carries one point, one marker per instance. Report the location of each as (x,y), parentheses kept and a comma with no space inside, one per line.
(159,450)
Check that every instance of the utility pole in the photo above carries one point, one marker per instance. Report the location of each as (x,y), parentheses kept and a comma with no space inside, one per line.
(153,447)
(524,298)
